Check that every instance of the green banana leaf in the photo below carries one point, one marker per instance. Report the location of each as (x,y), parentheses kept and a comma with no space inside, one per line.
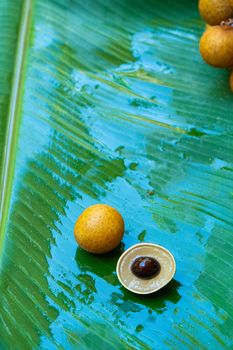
(109,101)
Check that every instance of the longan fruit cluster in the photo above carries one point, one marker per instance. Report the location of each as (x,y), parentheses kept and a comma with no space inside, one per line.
(216,44)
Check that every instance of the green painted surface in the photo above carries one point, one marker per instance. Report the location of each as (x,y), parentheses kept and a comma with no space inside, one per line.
(117,107)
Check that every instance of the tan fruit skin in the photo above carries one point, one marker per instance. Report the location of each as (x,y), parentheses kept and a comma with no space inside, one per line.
(99,229)
(215,11)
(216,46)
(231,81)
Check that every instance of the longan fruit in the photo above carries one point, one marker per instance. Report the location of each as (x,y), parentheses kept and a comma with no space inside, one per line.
(216,45)
(99,229)
(231,80)
(215,11)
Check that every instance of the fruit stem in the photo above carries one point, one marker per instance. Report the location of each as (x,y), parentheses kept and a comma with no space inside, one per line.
(228,23)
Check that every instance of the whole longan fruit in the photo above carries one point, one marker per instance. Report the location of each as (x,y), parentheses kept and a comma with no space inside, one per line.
(216,45)
(215,11)
(99,229)
(231,80)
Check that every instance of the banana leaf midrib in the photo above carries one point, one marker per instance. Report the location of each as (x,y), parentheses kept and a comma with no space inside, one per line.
(13,119)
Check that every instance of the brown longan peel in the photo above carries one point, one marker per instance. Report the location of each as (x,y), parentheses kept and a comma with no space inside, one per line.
(216,45)
(215,11)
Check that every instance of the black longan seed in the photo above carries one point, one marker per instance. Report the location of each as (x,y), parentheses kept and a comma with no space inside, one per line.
(145,267)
